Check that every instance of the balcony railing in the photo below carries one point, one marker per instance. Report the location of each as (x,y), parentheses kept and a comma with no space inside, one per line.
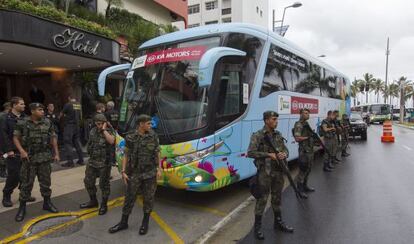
(225,11)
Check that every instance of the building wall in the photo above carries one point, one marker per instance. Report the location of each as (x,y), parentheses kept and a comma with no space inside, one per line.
(148,9)
(246,11)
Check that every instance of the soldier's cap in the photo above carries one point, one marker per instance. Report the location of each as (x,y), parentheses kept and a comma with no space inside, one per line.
(99,118)
(34,106)
(143,118)
(269,114)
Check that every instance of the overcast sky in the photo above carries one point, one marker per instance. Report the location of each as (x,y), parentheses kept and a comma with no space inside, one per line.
(353,34)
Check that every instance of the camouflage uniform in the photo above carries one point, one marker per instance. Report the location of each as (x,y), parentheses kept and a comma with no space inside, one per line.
(3,116)
(330,141)
(345,134)
(270,175)
(98,165)
(36,140)
(142,152)
(306,154)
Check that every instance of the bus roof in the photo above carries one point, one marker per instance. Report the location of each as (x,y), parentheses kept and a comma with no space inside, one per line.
(251,29)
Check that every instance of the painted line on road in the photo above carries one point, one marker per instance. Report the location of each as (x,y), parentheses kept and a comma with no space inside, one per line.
(213,230)
(201,208)
(163,225)
(408,148)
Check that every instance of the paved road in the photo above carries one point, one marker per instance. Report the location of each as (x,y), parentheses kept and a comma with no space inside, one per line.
(368,199)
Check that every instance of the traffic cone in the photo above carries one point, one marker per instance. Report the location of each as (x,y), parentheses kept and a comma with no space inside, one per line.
(387,132)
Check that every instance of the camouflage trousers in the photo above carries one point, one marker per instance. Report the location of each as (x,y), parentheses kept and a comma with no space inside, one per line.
(344,141)
(148,188)
(331,145)
(270,184)
(305,165)
(91,173)
(28,173)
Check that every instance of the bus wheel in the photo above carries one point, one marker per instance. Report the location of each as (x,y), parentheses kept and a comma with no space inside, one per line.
(364,136)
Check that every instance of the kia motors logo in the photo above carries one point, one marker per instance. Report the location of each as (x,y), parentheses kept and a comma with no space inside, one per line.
(151,58)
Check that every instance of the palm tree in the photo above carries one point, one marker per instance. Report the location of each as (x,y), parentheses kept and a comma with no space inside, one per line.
(378,86)
(394,91)
(368,80)
(386,93)
(355,90)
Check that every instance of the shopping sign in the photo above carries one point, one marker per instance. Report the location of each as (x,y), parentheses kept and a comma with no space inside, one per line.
(298,103)
(170,55)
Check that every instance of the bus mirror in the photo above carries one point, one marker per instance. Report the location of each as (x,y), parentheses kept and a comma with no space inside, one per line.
(209,60)
(106,72)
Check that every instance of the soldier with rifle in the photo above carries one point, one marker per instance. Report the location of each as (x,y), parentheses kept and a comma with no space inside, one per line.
(328,132)
(269,152)
(339,130)
(346,125)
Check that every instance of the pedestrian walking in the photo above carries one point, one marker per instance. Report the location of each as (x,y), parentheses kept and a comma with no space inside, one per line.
(35,139)
(303,135)
(71,114)
(13,161)
(101,140)
(139,171)
(269,172)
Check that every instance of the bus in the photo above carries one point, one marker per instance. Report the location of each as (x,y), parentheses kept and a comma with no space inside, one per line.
(374,112)
(206,89)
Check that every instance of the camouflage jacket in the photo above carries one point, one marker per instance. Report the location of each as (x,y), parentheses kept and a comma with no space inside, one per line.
(142,152)
(259,149)
(98,148)
(35,138)
(345,123)
(300,130)
(329,124)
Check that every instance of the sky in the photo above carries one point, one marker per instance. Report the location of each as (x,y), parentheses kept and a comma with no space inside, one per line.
(353,34)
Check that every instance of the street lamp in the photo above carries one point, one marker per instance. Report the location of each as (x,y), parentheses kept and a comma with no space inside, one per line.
(295,5)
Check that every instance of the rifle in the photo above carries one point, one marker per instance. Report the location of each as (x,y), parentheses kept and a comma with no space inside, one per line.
(318,139)
(283,166)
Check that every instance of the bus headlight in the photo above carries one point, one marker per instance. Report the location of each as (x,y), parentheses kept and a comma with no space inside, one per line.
(198,178)
(191,157)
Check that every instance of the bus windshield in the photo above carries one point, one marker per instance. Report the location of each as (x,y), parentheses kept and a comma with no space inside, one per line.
(166,87)
(381,109)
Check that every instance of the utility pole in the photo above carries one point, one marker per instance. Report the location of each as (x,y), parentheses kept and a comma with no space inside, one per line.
(387,53)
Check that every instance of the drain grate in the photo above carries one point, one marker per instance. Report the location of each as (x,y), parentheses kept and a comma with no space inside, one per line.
(55,221)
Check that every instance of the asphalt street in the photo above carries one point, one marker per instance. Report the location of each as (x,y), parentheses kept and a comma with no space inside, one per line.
(367,199)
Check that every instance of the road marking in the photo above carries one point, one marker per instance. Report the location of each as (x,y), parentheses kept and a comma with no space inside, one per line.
(201,208)
(164,226)
(408,148)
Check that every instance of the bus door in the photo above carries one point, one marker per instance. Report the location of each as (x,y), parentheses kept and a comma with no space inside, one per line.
(231,96)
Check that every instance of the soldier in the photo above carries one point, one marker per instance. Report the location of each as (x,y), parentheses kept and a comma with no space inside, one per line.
(139,170)
(13,162)
(3,115)
(71,113)
(101,138)
(338,133)
(303,136)
(328,132)
(269,173)
(346,125)
(35,137)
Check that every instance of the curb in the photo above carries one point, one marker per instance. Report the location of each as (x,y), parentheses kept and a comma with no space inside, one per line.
(213,230)
(405,126)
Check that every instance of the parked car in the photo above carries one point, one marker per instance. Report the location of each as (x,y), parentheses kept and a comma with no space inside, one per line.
(358,126)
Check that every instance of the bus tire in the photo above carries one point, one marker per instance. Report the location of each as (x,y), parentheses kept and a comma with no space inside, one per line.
(364,136)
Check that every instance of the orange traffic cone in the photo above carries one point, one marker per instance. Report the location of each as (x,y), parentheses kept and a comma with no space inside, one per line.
(387,132)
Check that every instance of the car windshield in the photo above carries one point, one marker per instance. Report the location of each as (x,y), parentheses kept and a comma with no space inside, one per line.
(355,116)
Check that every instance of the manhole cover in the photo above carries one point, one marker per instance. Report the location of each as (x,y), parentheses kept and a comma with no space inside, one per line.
(55,221)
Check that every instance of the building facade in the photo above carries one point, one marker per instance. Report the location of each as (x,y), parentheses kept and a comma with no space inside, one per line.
(204,12)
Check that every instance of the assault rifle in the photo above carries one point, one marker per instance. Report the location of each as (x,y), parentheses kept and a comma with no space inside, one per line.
(283,165)
(318,139)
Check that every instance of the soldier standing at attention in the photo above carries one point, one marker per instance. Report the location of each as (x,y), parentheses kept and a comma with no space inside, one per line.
(303,136)
(71,114)
(328,131)
(346,125)
(3,115)
(35,137)
(269,173)
(140,170)
(101,139)
(339,140)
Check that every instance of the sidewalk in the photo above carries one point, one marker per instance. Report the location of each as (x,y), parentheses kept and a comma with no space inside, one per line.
(63,182)
(404,126)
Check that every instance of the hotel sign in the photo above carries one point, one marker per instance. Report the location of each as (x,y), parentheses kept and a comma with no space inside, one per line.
(75,41)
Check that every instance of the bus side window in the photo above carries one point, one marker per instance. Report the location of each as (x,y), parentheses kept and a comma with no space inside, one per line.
(273,80)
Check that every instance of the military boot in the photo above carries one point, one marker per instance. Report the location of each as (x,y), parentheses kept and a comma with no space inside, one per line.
(68,164)
(144,226)
(21,212)
(279,224)
(48,205)
(345,154)
(301,190)
(306,187)
(121,225)
(258,227)
(80,162)
(93,203)
(104,206)
(326,167)
(7,203)
(31,199)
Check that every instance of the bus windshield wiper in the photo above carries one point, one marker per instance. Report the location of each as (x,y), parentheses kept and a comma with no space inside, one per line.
(161,114)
